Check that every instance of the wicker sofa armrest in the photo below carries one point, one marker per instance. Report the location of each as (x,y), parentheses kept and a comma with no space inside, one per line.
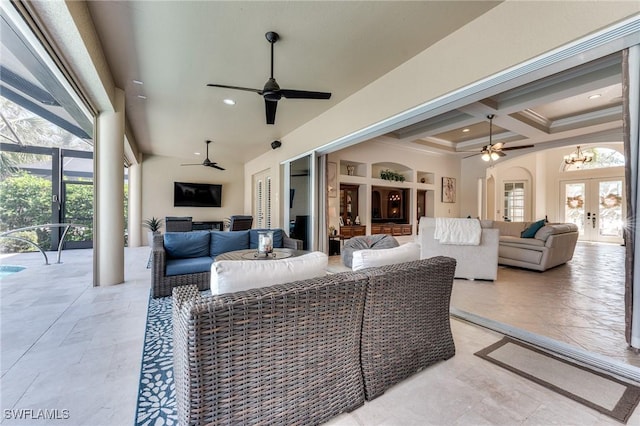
(185,294)
(405,330)
(291,243)
(158,262)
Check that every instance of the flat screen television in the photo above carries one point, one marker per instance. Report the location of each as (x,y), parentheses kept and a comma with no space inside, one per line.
(197,194)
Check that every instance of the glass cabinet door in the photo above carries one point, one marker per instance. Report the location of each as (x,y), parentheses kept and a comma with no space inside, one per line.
(348,204)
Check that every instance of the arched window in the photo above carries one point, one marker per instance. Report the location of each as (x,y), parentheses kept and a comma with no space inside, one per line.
(602,158)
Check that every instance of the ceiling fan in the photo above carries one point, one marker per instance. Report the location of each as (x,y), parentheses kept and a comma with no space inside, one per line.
(206,162)
(271,92)
(494,151)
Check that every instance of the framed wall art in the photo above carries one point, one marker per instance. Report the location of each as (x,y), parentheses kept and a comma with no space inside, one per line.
(332,182)
(448,190)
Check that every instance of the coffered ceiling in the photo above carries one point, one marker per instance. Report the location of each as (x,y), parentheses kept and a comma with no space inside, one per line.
(579,106)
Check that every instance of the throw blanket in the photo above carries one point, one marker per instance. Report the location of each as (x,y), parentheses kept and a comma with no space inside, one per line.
(462,232)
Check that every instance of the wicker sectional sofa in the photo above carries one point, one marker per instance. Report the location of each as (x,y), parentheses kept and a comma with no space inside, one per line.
(185,258)
(305,351)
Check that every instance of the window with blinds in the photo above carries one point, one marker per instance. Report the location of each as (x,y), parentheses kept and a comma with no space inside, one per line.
(267,213)
(514,198)
(263,206)
(259,204)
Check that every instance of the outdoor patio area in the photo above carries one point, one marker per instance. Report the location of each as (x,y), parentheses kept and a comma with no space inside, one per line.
(69,346)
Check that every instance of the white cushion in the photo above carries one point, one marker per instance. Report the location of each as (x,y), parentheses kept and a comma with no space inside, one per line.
(371,257)
(228,276)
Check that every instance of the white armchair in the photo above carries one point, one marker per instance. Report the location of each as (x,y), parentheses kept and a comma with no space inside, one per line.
(473,262)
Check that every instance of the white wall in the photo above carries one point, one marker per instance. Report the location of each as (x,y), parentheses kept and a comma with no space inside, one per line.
(472,169)
(159,173)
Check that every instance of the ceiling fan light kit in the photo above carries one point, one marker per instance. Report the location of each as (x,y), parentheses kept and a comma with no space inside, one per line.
(494,151)
(271,92)
(488,155)
(488,152)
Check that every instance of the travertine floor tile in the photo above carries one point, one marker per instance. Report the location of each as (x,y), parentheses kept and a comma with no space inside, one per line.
(68,345)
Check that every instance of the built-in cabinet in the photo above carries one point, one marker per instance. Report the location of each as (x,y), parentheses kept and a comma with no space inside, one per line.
(349,205)
(384,197)
(391,229)
(350,225)
(353,231)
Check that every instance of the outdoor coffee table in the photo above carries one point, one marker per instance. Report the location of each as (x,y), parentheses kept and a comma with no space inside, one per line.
(252,254)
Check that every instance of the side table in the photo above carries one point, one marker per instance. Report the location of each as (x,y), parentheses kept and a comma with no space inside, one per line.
(335,244)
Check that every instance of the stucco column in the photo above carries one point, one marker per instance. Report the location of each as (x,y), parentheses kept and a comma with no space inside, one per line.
(109,198)
(135,205)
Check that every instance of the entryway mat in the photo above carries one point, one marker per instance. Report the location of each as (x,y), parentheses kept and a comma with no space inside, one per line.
(594,389)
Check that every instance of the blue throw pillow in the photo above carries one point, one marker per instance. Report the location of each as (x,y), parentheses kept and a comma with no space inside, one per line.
(224,241)
(186,244)
(531,230)
(277,238)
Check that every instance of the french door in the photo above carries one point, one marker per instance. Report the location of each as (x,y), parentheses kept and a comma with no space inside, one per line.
(596,206)
(77,208)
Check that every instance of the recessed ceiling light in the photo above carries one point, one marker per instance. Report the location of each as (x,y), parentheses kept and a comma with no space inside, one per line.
(143,97)
(465,130)
(229,102)
(196,153)
(596,96)
(137,82)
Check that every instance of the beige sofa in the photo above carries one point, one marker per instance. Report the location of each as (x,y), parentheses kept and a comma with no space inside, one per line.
(473,262)
(551,246)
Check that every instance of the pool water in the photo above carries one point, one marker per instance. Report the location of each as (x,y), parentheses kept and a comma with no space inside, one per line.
(9,269)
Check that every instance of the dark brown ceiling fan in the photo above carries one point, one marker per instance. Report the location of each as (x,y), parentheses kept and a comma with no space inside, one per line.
(206,162)
(271,92)
(493,151)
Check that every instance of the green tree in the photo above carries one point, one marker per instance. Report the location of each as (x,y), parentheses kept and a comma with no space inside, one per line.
(25,200)
(79,210)
(8,165)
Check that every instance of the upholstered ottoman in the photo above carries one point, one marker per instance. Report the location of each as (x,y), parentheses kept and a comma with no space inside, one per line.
(378,241)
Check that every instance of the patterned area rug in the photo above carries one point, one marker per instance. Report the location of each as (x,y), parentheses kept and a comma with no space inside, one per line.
(156,393)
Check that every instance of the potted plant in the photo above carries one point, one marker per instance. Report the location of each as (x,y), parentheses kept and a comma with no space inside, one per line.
(153,225)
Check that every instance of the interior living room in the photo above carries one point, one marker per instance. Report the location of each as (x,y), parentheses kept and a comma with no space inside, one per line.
(485,114)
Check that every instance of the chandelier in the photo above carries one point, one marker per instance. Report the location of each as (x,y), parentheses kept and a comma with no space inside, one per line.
(578,157)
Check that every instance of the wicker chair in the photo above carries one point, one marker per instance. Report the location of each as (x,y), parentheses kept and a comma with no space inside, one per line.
(178,224)
(161,284)
(405,331)
(286,354)
(240,223)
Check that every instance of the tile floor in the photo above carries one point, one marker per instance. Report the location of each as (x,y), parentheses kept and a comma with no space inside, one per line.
(69,346)
(580,303)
